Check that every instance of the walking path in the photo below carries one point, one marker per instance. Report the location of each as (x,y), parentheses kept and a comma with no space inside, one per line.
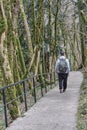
(55,111)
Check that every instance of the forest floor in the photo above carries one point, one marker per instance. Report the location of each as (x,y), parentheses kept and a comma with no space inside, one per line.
(55,111)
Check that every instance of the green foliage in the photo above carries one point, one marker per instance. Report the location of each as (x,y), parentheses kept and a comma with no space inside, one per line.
(2,24)
(80,4)
(25,50)
(82,109)
(14,112)
(2,125)
(84,17)
(23,39)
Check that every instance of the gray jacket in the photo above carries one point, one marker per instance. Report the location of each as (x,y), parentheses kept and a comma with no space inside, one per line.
(57,63)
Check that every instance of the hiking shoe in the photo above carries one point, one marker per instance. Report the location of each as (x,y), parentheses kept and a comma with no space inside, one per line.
(60,90)
(64,90)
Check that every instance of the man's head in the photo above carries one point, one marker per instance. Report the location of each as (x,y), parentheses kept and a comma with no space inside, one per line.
(62,53)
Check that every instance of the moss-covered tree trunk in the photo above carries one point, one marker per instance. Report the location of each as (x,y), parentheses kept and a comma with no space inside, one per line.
(34,23)
(50,35)
(83,22)
(56,26)
(6,69)
(39,34)
(55,43)
(82,7)
(28,35)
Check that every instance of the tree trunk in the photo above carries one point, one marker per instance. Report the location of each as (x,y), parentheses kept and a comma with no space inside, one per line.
(28,35)
(8,77)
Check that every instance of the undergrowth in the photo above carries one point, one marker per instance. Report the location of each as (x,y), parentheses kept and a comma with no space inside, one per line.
(82,108)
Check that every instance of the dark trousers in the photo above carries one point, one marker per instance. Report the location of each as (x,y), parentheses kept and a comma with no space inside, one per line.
(62,80)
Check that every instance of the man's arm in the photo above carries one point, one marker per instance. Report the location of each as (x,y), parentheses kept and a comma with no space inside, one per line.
(56,66)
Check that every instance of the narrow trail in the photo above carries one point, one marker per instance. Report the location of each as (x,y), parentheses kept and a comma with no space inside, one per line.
(54,111)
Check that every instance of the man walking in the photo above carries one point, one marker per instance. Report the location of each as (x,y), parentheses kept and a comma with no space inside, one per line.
(62,68)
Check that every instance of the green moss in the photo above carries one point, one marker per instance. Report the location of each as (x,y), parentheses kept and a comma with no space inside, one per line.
(82,109)
(14,112)
(84,17)
(20,56)
(7,69)
(2,25)
(17,78)
(85,56)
